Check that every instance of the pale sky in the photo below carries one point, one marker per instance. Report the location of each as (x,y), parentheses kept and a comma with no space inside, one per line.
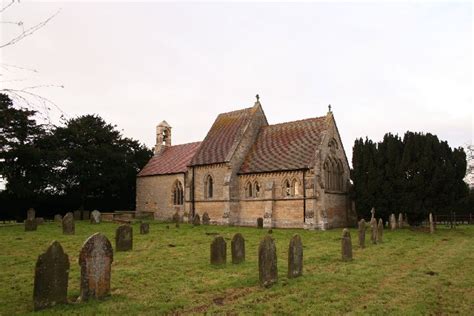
(384,67)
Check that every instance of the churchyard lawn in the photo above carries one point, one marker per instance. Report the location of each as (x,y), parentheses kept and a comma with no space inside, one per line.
(169,271)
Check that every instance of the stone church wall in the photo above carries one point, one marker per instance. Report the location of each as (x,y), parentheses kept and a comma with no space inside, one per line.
(155,194)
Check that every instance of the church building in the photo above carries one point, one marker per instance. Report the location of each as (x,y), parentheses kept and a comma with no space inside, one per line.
(292,174)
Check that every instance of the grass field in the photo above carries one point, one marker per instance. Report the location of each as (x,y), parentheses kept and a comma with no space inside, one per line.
(411,273)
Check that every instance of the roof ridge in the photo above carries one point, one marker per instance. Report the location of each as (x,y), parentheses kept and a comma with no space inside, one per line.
(191,143)
(297,121)
(235,111)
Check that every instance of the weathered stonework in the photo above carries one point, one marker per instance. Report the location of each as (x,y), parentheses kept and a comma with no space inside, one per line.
(218,251)
(238,248)
(295,257)
(69,227)
(124,238)
(346,245)
(267,262)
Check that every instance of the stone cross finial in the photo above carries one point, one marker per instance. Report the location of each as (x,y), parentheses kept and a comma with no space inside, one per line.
(329,107)
(258,98)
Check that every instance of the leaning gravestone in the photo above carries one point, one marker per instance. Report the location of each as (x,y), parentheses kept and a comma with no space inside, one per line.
(95,217)
(68,224)
(400,220)
(196,220)
(30,225)
(267,262)
(144,228)
(373,226)
(206,219)
(362,233)
(432,228)
(380,231)
(51,277)
(346,245)
(237,246)
(218,251)
(30,213)
(124,238)
(58,218)
(77,215)
(86,215)
(393,222)
(260,222)
(295,257)
(95,260)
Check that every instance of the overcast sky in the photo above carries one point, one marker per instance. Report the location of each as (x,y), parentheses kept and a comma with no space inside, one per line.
(383,67)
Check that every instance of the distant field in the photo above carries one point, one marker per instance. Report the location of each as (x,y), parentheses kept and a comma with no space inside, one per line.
(411,273)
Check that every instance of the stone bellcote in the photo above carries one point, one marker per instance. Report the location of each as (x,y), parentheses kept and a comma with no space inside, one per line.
(163,136)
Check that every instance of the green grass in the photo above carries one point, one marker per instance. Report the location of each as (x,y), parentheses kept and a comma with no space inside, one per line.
(411,273)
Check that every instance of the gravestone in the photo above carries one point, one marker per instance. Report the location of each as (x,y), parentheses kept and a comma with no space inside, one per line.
(400,220)
(124,238)
(432,228)
(196,220)
(86,215)
(380,231)
(206,219)
(218,251)
(393,222)
(30,213)
(362,229)
(58,218)
(267,262)
(77,215)
(372,211)
(95,259)
(405,221)
(145,228)
(237,246)
(51,277)
(373,227)
(30,225)
(295,257)
(69,227)
(260,222)
(346,245)
(39,220)
(176,217)
(95,217)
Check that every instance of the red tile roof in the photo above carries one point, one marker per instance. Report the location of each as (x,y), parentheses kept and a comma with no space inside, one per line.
(173,159)
(285,146)
(222,138)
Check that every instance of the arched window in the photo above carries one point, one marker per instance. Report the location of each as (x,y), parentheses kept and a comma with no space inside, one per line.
(209,187)
(287,188)
(178,194)
(248,190)
(257,189)
(334,174)
(295,187)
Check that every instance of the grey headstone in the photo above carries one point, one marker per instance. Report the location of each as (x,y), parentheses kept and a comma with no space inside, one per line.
(69,227)
(295,257)
(206,219)
(380,231)
(95,260)
(39,220)
(176,217)
(51,277)
(124,238)
(260,222)
(372,211)
(196,220)
(362,228)
(30,213)
(432,227)
(346,245)
(144,228)
(86,215)
(58,218)
(95,217)
(373,227)
(237,246)
(218,251)
(267,262)
(393,222)
(30,225)
(400,220)
(77,215)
